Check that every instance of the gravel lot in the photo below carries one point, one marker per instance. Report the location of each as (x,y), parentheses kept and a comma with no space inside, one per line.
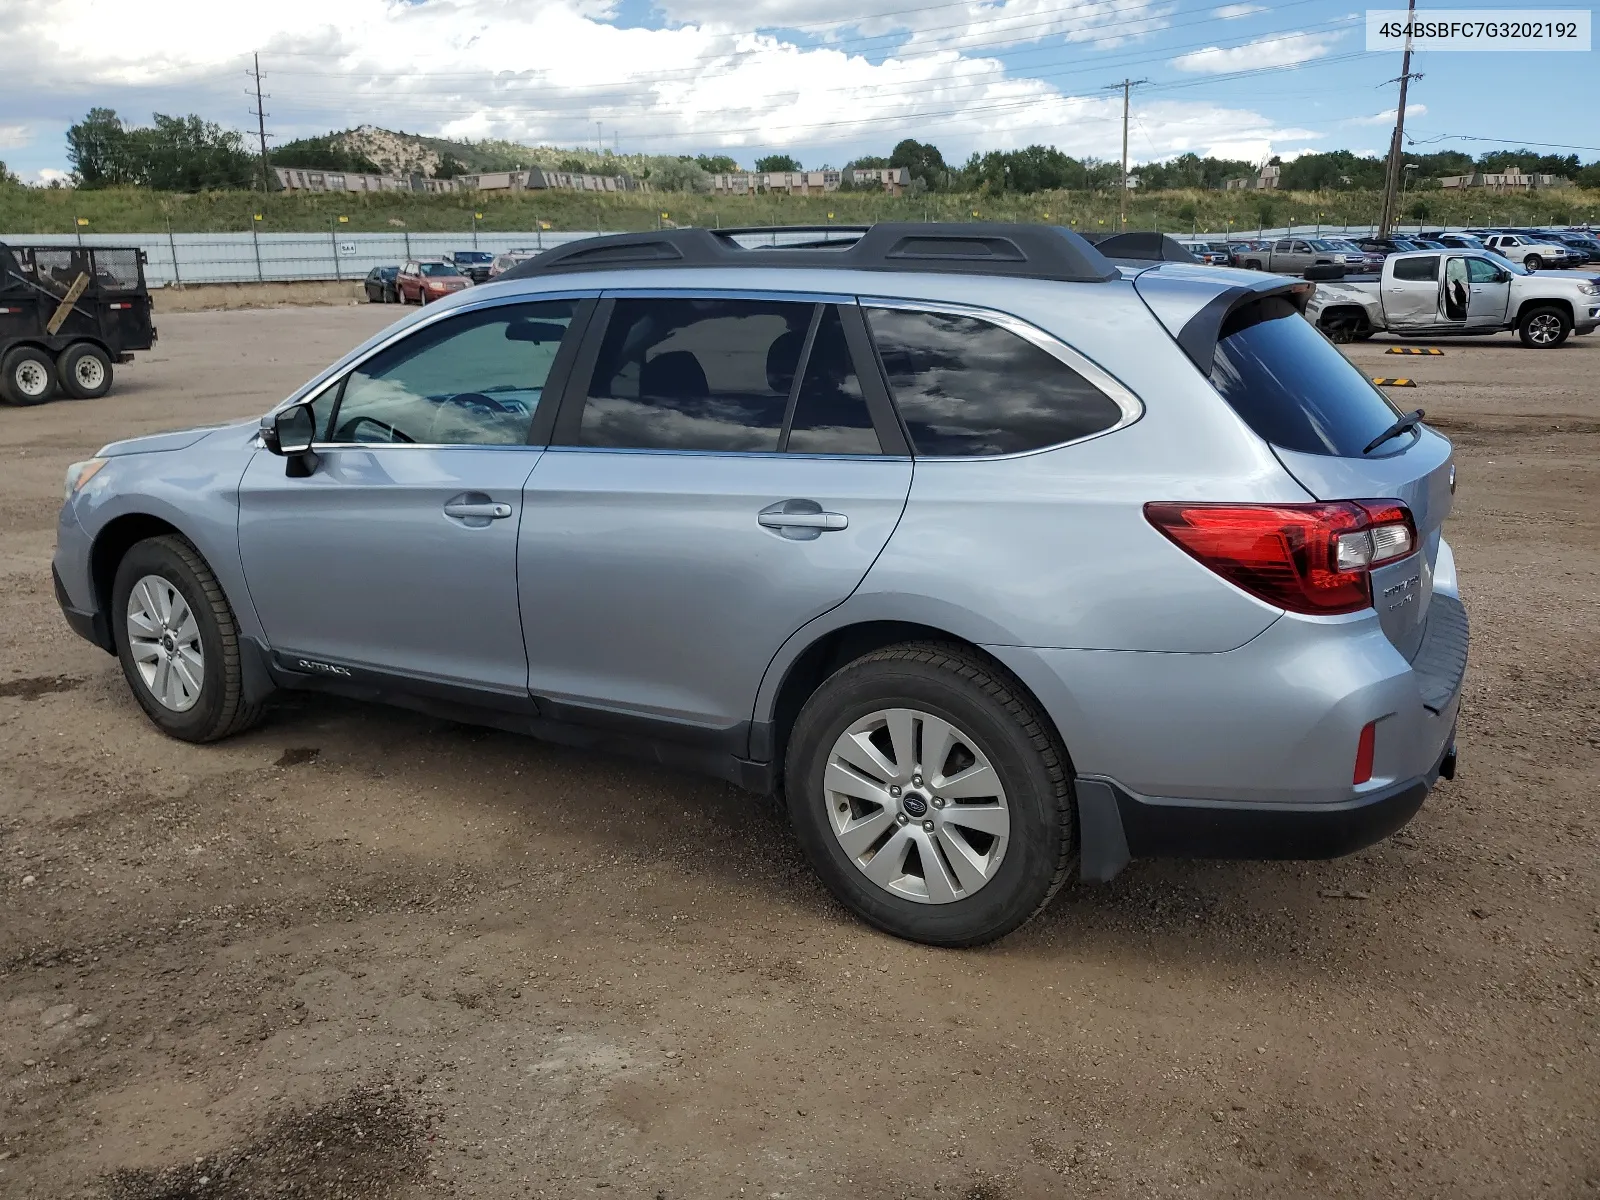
(359,952)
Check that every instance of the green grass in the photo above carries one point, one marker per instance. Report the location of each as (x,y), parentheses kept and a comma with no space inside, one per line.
(135,210)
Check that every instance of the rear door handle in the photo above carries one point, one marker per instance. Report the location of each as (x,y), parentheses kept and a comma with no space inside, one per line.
(801,520)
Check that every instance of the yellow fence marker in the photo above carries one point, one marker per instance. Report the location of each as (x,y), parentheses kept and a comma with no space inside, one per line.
(1386,382)
(1412,350)
(79,286)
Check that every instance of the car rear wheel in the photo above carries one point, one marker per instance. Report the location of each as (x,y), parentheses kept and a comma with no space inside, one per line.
(178,642)
(85,371)
(930,795)
(1544,328)
(27,376)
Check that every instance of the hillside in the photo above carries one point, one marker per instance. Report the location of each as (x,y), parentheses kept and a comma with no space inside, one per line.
(137,210)
(400,153)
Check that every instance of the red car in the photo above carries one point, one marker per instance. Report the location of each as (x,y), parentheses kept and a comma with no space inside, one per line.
(428,279)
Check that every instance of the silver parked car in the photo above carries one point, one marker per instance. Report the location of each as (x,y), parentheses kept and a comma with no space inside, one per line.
(999,560)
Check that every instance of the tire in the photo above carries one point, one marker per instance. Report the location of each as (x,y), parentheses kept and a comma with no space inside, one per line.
(218,708)
(1252,265)
(990,718)
(371,299)
(85,371)
(27,376)
(1544,327)
(1533,262)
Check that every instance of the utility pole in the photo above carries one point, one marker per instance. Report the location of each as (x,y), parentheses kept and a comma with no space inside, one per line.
(261,126)
(1127,85)
(1391,179)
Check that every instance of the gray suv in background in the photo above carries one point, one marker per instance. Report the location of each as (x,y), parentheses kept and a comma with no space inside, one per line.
(997,556)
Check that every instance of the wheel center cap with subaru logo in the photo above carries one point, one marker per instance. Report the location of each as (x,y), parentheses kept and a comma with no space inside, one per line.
(914,805)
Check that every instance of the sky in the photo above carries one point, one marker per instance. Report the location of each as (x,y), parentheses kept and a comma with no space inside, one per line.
(823,80)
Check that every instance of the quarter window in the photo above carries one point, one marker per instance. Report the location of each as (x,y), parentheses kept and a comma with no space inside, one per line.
(695,374)
(967,387)
(474,379)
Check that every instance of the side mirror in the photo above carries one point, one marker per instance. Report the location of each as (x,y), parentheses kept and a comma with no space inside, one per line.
(291,430)
(289,433)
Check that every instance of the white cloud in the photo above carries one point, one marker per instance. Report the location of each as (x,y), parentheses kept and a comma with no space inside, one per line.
(1232,12)
(544,71)
(45,176)
(1387,117)
(14,135)
(1281,51)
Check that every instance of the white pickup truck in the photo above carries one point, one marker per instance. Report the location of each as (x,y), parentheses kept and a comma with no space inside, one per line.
(1454,292)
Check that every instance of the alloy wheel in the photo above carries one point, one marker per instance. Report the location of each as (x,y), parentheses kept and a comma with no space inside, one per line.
(1544,328)
(916,805)
(164,642)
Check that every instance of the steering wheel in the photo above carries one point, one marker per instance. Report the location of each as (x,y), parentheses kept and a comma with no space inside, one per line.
(347,431)
(481,402)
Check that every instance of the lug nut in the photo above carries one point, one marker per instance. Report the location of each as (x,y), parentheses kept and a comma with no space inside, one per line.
(894,789)
(927,826)
(916,781)
(902,818)
(938,801)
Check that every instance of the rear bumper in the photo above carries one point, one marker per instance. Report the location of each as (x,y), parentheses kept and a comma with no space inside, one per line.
(1116,825)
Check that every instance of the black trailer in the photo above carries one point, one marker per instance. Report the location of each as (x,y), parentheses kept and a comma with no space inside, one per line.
(66,314)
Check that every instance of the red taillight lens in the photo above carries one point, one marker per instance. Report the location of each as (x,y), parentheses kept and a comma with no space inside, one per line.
(1364,747)
(1308,558)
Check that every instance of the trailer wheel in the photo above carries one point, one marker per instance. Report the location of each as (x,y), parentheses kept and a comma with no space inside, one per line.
(85,371)
(27,376)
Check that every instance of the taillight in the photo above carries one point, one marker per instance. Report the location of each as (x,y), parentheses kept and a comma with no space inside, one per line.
(1307,558)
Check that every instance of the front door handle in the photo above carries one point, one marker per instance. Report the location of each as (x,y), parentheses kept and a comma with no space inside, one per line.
(801,520)
(493,512)
(475,510)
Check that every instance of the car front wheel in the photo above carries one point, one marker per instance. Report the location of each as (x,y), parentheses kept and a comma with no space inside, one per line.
(1533,262)
(1544,328)
(178,642)
(930,794)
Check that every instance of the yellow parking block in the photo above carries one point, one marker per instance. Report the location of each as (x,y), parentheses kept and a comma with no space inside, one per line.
(1383,381)
(1412,350)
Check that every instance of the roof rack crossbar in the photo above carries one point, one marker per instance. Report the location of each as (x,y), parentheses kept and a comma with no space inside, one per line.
(980,248)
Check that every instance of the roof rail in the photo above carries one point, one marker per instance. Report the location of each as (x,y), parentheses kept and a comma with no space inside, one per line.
(980,248)
(1143,247)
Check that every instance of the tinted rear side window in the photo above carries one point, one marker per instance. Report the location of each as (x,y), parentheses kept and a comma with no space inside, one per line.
(967,387)
(690,374)
(1292,387)
(830,412)
(1418,269)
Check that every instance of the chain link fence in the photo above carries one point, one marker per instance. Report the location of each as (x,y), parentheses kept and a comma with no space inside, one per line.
(186,258)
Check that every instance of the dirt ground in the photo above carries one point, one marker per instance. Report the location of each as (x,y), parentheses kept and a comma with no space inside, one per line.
(363,953)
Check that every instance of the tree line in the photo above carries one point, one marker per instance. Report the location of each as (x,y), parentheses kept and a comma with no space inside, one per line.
(189,154)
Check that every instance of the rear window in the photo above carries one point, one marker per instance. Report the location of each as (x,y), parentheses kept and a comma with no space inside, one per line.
(1290,385)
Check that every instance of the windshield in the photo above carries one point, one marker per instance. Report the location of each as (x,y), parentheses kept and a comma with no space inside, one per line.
(1325,245)
(1290,385)
(475,256)
(439,269)
(1501,261)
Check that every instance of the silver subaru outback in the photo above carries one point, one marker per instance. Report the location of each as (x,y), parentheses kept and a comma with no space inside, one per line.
(998,555)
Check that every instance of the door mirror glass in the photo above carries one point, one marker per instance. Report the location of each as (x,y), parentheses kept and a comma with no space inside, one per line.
(295,428)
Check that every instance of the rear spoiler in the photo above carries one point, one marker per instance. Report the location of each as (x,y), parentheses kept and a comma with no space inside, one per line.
(1199,335)
(1141,247)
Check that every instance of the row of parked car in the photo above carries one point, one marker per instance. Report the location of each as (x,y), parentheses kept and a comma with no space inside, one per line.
(420,280)
(1533,249)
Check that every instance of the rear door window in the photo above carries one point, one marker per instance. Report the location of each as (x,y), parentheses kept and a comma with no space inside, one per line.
(830,411)
(966,387)
(1292,387)
(1417,270)
(680,373)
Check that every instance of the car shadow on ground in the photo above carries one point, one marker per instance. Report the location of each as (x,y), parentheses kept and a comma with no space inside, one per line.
(1244,913)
